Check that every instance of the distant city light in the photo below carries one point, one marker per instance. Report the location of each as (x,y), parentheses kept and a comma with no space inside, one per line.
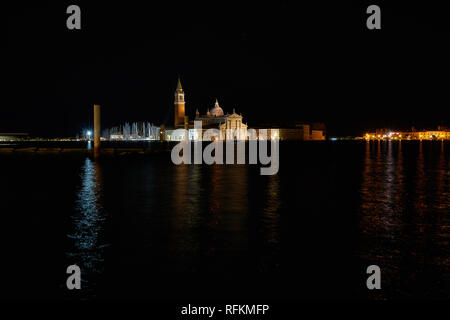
(441,133)
(89,133)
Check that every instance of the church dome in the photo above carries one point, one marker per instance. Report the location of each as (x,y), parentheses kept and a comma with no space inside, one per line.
(217,110)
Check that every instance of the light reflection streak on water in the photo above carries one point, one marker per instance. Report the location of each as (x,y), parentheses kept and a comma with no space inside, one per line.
(271,224)
(271,214)
(382,193)
(88,222)
(184,244)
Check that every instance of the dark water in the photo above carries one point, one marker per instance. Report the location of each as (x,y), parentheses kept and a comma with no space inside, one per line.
(141,227)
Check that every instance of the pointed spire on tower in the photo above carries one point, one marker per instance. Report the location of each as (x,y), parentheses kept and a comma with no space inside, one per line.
(217,103)
(179,84)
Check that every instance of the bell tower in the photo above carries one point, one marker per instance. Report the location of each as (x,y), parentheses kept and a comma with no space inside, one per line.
(179,105)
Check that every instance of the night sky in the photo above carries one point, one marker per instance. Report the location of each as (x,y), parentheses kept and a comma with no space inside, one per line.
(277,62)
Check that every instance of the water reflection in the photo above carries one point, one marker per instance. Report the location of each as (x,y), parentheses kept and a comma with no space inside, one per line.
(382,190)
(88,222)
(419,181)
(214,227)
(184,242)
(227,215)
(208,222)
(382,207)
(404,221)
(271,225)
(271,211)
(433,222)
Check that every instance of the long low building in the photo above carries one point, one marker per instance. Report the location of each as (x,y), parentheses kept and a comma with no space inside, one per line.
(13,136)
(304,132)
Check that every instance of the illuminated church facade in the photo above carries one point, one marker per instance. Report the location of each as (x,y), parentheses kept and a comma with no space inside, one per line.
(230,126)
